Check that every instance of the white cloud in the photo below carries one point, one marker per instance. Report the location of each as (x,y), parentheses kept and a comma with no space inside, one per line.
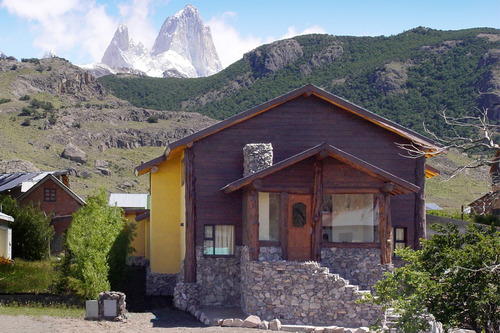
(229,43)
(79,27)
(311,30)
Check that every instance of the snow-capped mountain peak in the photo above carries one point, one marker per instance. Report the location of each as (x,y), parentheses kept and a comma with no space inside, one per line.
(183,46)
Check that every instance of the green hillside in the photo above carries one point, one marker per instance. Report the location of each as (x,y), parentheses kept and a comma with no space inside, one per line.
(409,78)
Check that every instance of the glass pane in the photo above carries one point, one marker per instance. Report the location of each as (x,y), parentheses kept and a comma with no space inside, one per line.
(400,234)
(350,218)
(299,214)
(224,239)
(209,232)
(269,216)
(208,247)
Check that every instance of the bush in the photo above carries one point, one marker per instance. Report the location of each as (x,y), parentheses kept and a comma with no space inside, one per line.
(26,122)
(454,277)
(152,119)
(4,100)
(90,241)
(488,219)
(25,98)
(31,230)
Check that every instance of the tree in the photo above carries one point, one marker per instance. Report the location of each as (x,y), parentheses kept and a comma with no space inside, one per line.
(31,230)
(89,240)
(454,277)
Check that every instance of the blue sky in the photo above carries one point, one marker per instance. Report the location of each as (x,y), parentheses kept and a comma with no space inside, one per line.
(80,30)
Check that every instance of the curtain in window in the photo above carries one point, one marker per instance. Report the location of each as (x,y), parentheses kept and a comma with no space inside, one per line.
(224,239)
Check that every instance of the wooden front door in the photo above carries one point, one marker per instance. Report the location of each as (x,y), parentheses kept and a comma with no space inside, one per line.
(299,227)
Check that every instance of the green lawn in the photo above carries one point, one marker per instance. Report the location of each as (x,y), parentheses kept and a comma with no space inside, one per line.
(28,276)
(38,311)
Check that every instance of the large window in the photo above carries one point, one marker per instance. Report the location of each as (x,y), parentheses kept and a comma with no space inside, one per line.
(218,240)
(350,218)
(269,209)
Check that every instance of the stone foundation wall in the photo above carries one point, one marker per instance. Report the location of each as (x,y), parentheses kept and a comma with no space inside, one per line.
(360,266)
(186,296)
(270,253)
(218,279)
(137,261)
(158,284)
(301,293)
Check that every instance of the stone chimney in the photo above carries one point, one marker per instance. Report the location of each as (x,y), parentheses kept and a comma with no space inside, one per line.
(256,157)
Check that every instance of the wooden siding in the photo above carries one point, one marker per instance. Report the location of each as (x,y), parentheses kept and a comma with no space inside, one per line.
(292,128)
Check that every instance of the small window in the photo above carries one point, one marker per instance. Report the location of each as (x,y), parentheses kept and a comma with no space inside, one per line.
(269,215)
(400,241)
(49,195)
(218,240)
(299,214)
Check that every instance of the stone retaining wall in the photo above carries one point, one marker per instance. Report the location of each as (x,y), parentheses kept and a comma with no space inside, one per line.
(360,266)
(301,293)
(158,284)
(218,279)
(270,253)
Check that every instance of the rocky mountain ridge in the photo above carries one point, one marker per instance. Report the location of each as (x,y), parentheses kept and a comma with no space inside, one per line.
(48,105)
(183,48)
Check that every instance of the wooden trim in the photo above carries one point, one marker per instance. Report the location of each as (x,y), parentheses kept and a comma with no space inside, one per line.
(252,222)
(317,203)
(190,199)
(351,245)
(420,220)
(284,225)
(401,186)
(385,228)
(351,190)
(263,243)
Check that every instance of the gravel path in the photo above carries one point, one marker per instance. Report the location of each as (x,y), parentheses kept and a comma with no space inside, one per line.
(137,322)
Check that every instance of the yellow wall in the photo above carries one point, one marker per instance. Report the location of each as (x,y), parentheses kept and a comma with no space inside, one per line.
(139,241)
(166,217)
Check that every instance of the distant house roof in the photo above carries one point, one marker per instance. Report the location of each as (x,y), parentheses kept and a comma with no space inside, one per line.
(427,144)
(57,182)
(129,200)
(5,217)
(25,180)
(432,206)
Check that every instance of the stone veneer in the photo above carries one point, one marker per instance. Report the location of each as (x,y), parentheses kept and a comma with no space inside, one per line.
(270,253)
(302,293)
(218,278)
(159,284)
(361,267)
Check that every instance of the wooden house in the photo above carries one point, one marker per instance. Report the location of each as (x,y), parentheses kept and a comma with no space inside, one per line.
(305,179)
(5,236)
(490,202)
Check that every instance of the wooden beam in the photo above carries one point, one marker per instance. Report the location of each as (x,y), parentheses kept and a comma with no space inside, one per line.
(385,228)
(317,202)
(284,225)
(190,198)
(420,220)
(252,223)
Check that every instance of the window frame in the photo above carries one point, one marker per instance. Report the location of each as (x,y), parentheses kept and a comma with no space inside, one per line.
(376,244)
(49,195)
(213,226)
(395,241)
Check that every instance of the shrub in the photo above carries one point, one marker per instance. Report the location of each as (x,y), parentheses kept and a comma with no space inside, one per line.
(31,229)
(26,122)
(488,219)
(89,240)
(4,100)
(25,98)
(152,119)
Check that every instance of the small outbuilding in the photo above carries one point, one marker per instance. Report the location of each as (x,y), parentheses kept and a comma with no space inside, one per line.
(5,236)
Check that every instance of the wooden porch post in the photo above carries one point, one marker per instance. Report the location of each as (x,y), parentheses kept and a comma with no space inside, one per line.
(284,225)
(385,228)
(317,202)
(420,220)
(252,222)
(190,256)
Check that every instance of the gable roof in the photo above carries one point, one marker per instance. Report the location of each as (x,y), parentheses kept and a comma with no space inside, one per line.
(401,186)
(307,91)
(11,180)
(58,183)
